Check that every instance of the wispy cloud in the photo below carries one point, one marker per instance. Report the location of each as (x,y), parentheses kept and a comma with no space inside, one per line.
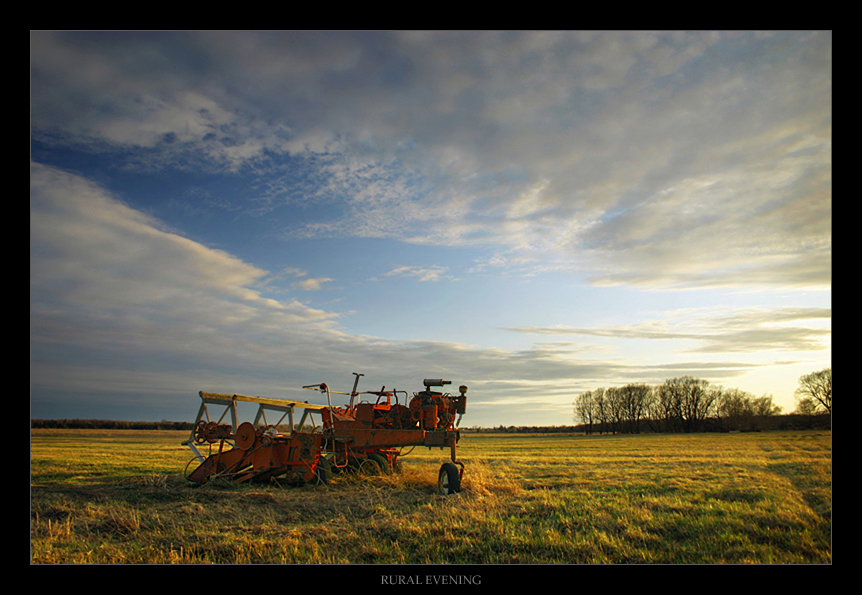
(649,160)
(101,271)
(138,309)
(313,284)
(305,283)
(742,331)
(658,159)
(422,273)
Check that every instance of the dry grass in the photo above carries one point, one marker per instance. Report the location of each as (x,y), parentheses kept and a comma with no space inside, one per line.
(661,499)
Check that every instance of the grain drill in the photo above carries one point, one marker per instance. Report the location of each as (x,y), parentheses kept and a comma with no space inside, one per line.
(368,434)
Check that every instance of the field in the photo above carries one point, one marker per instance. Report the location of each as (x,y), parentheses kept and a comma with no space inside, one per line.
(115,496)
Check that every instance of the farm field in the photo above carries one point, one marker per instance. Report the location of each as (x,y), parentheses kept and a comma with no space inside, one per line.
(117,496)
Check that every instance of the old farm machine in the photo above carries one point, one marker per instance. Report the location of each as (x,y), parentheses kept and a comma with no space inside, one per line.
(369,433)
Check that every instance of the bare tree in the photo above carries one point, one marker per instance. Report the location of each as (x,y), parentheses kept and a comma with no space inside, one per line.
(764,406)
(817,387)
(686,402)
(806,406)
(585,410)
(614,407)
(601,409)
(740,410)
(661,414)
(732,408)
(634,404)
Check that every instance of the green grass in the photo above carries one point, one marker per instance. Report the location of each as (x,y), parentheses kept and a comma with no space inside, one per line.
(119,497)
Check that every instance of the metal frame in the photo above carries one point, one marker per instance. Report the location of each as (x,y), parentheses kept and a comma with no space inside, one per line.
(285,406)
(361,431)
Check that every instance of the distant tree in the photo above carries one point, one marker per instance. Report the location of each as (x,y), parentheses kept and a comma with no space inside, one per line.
(686,403)
(817,387)
(740,410)
(625,406)
(585,410)
(635,399)
(764,406)
(601,409)
(806,406)
(667,408)
(614,408)
(732,408)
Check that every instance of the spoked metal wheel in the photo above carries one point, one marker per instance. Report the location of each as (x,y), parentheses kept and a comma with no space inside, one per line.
(449,479)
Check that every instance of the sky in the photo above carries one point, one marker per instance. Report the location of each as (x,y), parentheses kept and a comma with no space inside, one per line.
(532,214)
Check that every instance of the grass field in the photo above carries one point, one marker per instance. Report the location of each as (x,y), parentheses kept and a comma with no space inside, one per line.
(112,496)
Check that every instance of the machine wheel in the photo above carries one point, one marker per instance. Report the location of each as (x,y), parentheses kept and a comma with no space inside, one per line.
(201,432)
(371,467)
(245,435)
(449,480)
(381,462)
(189,469)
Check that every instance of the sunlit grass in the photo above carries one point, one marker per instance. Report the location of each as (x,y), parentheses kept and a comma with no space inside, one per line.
(119,497)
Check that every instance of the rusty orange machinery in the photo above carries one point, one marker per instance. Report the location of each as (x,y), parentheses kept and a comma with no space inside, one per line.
(369,431)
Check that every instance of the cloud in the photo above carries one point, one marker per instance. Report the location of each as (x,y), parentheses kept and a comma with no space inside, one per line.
(656,159)
(104,274)
(126,312)
(422,273)
(147,98)
(650,159)
(743,331)
(683,176)
(109,282)
(314,284)
(123,306)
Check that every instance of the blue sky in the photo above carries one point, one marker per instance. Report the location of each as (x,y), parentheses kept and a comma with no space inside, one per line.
(533,214)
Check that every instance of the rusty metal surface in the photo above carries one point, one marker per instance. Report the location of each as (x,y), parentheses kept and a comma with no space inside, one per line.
(375,430)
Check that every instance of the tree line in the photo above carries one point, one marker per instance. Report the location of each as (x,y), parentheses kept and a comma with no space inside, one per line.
(684,404)
(688,404)
(107,424)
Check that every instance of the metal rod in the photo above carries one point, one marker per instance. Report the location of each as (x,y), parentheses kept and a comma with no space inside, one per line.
(355,384)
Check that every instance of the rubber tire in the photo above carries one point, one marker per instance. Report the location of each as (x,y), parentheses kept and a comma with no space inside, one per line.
(449,479)
(370,467)
(381,462)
